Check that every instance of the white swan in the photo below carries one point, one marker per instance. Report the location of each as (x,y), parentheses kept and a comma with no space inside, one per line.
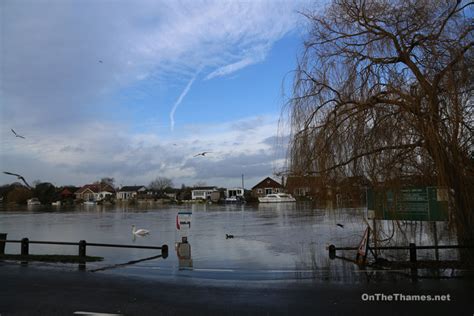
(140,232)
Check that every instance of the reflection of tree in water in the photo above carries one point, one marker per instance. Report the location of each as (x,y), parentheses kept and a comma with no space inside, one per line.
(401,233)
(312,259)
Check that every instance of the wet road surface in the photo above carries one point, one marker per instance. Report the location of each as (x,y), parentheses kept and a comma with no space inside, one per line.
(28,290)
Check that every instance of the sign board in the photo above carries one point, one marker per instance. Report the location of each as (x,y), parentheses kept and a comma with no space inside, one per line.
(410,203)
(183,220)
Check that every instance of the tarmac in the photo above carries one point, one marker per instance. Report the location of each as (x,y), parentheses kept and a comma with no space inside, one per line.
(29,290)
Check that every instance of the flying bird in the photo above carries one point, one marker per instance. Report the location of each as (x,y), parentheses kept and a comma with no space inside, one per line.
(100,61)
(14,133)
(19,177)
(227,236)
(340,225)
(203,153)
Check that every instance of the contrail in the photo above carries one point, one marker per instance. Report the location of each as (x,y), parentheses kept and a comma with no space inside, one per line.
(181,96)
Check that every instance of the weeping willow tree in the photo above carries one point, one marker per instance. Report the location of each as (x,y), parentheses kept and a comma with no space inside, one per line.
(384,90)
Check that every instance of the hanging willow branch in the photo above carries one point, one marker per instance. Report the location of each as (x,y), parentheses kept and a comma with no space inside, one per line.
(385,90)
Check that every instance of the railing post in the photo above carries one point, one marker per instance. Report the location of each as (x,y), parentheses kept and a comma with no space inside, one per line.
(82,248)
(82,254)
(25,247)
(3,237)
(164,251)
(413,269)
(332,251)
(412,252)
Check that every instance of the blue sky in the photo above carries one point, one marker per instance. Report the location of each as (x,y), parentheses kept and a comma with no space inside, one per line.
(133,91)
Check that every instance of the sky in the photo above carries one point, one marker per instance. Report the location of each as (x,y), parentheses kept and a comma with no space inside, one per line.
(134,89)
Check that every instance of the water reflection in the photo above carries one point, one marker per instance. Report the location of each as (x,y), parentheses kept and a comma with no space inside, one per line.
(272,241)
(183,252)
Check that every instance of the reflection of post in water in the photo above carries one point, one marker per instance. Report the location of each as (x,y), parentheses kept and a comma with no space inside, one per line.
(183,251)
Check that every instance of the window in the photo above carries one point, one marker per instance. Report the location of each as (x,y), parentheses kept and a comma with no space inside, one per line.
(259,191)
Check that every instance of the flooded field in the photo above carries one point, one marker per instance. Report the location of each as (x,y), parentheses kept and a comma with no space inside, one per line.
(270,242)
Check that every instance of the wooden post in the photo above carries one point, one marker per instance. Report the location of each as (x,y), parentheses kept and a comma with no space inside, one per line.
(332,251)
(164,251)
(413,269)
(82,254)
(82,248)
(412,252)
(435,233)
(374,237)
(25,247)
(3,237)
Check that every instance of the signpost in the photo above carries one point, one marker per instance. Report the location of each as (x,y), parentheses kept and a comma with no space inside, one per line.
(410,203)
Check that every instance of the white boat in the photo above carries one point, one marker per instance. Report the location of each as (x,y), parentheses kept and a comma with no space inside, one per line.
(57,203)
(234,199)
(277,198)
(90,203)
(33,201)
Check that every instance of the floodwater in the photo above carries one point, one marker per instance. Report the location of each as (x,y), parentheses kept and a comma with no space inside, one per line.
(281,242)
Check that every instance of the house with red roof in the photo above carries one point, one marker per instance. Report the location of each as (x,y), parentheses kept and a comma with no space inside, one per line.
(266,186)
(94,192)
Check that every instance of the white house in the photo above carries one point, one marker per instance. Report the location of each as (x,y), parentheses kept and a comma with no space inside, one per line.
(234,192)
(202,193)
(101,195)
(130,192)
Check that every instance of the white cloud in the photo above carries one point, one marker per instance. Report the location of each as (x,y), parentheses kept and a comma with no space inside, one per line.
(51,53)
(78,158)
(180,98)
(228,69)
(64,65)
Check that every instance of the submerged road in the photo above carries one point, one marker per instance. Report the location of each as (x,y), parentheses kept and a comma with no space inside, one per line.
(28,290)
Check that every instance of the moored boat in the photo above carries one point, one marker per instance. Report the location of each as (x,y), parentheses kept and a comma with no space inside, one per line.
(234,200)
(33,201)
(277,198)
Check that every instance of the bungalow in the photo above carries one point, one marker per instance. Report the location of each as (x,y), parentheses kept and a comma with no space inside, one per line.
(266,186)
(94,192)
(202,193)
(130,192)
(234,192)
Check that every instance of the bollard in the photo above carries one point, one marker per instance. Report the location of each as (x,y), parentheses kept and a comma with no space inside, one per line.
(164,251)
(82,254)
(82,248)
(332,252)
(3,237)
(412,252)
(25,247)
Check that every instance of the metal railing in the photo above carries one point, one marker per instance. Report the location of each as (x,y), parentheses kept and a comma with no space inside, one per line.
(82,246)
(411,247)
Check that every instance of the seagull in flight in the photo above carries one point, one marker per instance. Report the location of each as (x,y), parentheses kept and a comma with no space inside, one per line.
(19,177)
(203,153)
(100,61)
(14,133)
